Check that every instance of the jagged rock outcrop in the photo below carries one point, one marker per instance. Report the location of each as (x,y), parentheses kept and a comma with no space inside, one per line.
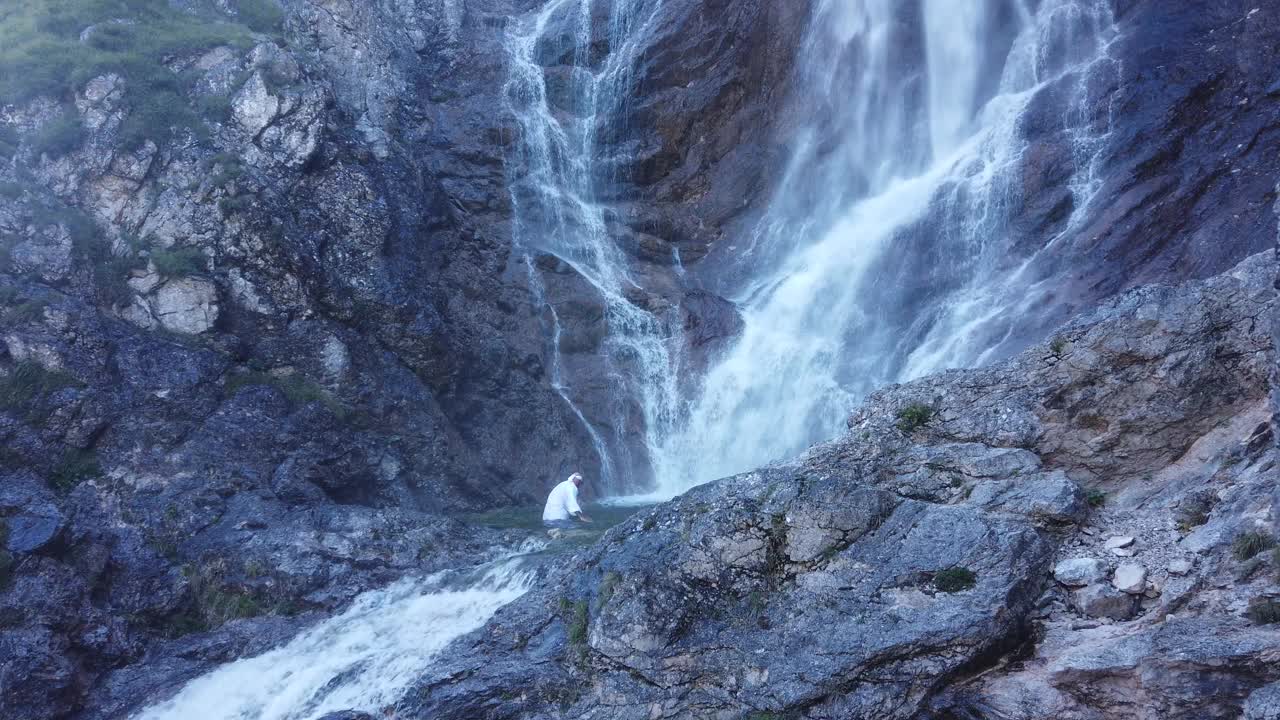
(890,572)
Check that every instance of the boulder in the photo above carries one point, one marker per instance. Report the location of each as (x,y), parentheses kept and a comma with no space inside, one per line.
(1080,571)
(1130,577)
(186,305)
(1263,703)
(1100,600)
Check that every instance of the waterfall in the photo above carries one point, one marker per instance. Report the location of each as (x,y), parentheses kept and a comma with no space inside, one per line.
(362,659)
(557,182)
(888,249)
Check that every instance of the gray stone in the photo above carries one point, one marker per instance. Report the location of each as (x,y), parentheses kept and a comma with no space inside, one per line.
(186,305)
(1103,601)
(1118,541)
(1078,572)
(1179,567)
(1130,577)
(1263,703)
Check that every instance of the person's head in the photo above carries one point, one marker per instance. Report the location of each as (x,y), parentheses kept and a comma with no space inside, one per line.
(576,478)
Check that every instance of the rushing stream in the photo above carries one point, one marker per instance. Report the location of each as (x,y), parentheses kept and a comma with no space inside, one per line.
(364,658)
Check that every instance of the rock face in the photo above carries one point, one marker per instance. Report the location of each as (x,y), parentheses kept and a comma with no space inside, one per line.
(868,578)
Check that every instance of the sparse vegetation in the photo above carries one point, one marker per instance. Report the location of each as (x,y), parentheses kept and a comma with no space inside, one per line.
(1057,345)
(1095,497)
(1194,510)
(60,136)
(43,55)
(954,579)
(28,382)
(75,466)
(178,261)
(1250,543)
(214,601)
(298,390)
(1264,611)
(913,417)
(607,585)
(576,619)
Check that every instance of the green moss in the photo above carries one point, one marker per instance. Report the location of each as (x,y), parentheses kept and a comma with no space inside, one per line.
(914,417)
(954,579)
(74,467)
(1250,543)
(1095,497)
(178,262)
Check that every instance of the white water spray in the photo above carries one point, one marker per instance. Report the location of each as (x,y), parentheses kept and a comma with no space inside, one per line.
(364,659)
(826,317)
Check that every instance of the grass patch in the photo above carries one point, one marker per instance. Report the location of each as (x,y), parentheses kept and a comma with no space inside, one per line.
(74,467)
(577,621)
(1263,611)
(954,579)
(42,54)
(29,381)
(1095,497)
(913,417)
(60,137)
(298,390)
(178,262)
(1248,544)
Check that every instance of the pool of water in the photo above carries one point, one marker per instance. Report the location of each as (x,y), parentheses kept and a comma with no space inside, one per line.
(603,514)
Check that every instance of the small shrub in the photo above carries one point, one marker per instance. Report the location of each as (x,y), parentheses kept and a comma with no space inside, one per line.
(1057,345)
(178,261)
(1095,497)
(914,417)
(1248,544)
(576,619)
(75,466)
(954,579)
(60,136)
(1263,611)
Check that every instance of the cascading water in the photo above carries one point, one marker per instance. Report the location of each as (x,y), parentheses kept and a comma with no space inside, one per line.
(887,249)
(362,659)
(556,183)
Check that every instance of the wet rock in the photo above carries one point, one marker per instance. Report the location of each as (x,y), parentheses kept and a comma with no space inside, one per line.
(1078,572)
(1100,600)
(1130,577)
